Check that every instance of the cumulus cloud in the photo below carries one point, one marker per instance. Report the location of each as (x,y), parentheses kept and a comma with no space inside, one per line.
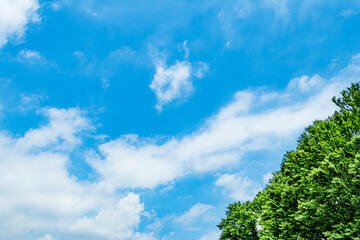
(114,222)
(175,82)
(171,83)
(38,194)
(14,17)
(35,185)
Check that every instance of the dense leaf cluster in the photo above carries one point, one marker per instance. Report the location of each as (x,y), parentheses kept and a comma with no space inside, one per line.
(316,192)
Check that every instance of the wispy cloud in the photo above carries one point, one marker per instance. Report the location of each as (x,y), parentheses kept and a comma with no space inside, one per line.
(346,13)
(29,54)
(306,83)
(197,211)
(32,57)
(59,4)
(30,101)
(104,69)
(189,220)
(104,83)
(279,6)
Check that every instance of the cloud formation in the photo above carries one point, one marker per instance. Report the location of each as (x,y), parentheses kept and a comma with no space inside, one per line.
(171,83)
(242,126)
(30,101)
(175,82)
(14,17)
(29,54)
(40,196)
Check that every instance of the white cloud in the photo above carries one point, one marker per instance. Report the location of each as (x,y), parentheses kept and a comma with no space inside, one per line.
(238,187)
(227,44)
(201,69)
(14,17)
(214,235)
(30,101)
(171,83)
(112,222)
(244,12)
(29,54)
(191,220)
(155,226)
(232,15)
(236,10)
(243,125)
(61,132)
(107,67)
(185,49)
(174,82)
(196,212)
(79,54)
(39,195)
(47,237)
(306,83)
(267,177)
(348,13)
(31,58)
(59,4)
(104,83)
(35,185)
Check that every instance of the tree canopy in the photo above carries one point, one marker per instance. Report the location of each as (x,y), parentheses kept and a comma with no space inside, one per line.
(316,192)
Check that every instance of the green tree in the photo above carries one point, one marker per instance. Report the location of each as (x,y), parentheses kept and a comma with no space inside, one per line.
(316,192)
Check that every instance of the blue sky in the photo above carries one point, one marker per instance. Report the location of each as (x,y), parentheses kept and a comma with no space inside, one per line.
(145,119)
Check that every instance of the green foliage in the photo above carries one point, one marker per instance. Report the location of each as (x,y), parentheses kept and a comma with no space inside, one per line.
(316,193)
(241,221)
